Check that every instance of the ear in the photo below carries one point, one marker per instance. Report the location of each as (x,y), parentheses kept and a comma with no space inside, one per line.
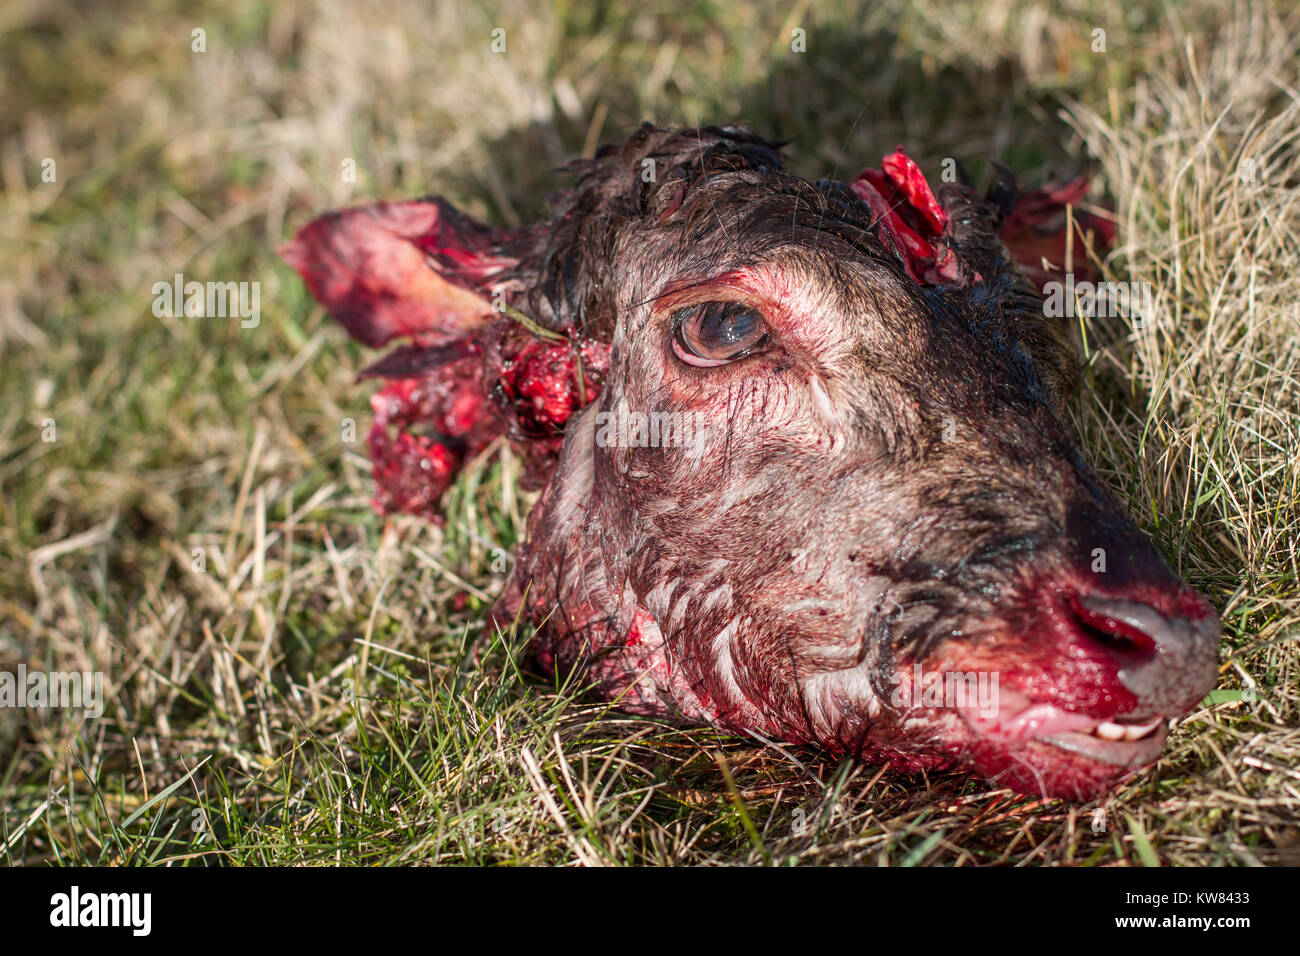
(954,239)
(1037,232)
(961,241)
(911,219)
(419,269)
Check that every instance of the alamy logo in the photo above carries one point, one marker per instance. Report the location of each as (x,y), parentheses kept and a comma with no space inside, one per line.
(76,908)
(1131,300)
(948,690)
(623,428)
(211,300)
(73,690)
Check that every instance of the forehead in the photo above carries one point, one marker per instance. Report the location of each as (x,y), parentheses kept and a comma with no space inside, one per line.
(756,208)
(803,254)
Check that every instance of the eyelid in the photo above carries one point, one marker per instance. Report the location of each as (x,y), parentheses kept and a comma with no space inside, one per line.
(713,291)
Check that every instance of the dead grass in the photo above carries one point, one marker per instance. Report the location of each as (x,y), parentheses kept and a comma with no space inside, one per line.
(308,695)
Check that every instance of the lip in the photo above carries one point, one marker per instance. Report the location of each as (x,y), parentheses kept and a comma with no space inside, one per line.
(1126,754)
(1120,744)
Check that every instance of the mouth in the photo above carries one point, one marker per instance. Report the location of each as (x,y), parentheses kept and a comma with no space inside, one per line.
(1121,743)
(1127,752)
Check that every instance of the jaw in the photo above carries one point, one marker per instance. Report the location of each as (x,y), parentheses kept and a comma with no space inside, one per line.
(1070,766)
(1122,743)
(1045,749)
(1065,757)
(1031,746)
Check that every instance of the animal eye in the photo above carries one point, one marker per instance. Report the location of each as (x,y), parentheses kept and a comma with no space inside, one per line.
(717,333)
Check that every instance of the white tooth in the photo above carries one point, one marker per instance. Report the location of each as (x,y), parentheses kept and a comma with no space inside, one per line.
(1108,731)
(1138,731)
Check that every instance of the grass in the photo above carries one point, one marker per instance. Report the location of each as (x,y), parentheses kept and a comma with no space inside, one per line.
(296,681)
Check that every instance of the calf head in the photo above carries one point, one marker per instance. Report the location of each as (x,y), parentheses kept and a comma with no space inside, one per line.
(804,465)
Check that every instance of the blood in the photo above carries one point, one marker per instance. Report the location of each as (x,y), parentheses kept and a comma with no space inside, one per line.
(425,428)
(440,407)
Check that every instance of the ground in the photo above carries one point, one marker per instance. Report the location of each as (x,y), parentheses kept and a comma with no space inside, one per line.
(292,679)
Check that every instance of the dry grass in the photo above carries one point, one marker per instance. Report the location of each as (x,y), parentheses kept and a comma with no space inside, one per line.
(308,696)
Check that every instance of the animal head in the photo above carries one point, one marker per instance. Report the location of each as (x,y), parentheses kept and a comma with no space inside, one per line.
(805,467)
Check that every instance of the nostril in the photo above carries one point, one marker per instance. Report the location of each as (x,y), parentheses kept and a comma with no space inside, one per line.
(1167,662)
(1134,630)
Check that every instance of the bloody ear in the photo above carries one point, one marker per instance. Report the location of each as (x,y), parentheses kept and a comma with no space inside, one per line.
(1037,232)
(909,217)
(1035,229)
(959,239)
(418,269)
